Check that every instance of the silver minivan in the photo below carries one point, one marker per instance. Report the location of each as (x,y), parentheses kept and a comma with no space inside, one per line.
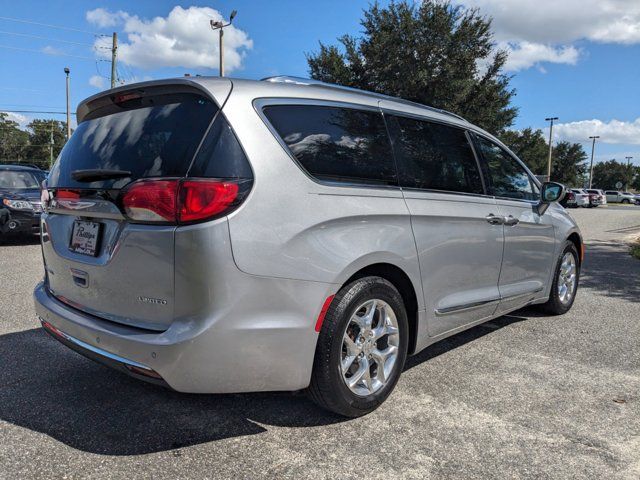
(217,235)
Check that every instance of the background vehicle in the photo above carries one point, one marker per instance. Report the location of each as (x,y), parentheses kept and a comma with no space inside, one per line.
(570,200)
(635,196)
(20,205)
(603,197)
(297,239)
(614,196)
(581,197)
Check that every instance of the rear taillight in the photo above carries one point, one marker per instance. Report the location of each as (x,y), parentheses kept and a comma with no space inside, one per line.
(152,200)
(179,200)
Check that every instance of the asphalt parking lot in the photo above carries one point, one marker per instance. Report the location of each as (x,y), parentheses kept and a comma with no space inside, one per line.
(524,396)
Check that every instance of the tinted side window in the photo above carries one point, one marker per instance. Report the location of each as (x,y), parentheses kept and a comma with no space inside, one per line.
(434,156)
(336,144)
(221,156)
(507,178)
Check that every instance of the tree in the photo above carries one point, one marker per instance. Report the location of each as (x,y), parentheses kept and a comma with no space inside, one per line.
(432,53)
(607,174)
(42,132)
(636,179)
(13,141)
(530,146)
(567,165)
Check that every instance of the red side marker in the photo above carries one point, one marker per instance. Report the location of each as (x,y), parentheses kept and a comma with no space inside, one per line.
(323,312)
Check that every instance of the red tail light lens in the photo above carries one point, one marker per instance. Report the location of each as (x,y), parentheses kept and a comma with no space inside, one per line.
(201,199)
(152,200)
(178,201)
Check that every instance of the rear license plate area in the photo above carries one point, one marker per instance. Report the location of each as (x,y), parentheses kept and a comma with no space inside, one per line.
(85,237)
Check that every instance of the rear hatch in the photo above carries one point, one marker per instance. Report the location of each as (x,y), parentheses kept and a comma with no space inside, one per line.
(109,247)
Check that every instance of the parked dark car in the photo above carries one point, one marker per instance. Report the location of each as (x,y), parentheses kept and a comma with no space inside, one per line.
(20,205)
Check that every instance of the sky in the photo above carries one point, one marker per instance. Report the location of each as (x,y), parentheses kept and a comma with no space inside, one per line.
(578,60)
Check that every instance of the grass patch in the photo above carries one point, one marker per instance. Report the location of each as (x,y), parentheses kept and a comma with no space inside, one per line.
(635,249)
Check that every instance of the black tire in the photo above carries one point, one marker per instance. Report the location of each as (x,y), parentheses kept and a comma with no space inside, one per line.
(328,388)
(625,201)
(555,306)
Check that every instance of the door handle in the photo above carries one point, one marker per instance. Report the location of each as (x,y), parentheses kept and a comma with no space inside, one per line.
(494,219)
(511,220)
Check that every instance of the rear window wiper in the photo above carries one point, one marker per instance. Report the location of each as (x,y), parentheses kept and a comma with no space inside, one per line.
(98,174)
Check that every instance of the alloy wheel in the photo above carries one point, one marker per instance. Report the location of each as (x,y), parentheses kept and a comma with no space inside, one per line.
(567,278)
(369,347)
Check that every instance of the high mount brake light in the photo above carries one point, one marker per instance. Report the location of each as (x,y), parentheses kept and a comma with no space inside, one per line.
(178,201)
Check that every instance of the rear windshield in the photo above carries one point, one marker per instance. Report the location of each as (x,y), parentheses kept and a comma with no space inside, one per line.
(156,138)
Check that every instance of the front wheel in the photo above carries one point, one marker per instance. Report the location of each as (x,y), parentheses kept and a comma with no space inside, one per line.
(361,348)
(565,281)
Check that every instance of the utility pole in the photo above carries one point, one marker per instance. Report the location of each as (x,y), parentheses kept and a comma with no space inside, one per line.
(66,70)
(593,147)
(626,187)
(114,55)
(219,25)
(51,145)
(550,119)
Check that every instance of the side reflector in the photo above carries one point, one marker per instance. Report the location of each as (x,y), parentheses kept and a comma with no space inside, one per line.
(323,312)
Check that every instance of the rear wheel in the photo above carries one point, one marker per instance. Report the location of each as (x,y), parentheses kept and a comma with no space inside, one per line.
(626,201)
(361,348)
(565,281)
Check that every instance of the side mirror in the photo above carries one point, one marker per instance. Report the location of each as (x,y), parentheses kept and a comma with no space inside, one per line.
(551,192)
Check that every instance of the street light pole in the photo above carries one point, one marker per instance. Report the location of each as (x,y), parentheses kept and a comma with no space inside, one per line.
(626,187)
(66,70)
(593,147)
(550,119)
(219,25)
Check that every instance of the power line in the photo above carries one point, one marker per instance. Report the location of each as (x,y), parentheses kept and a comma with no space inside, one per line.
(35,111)
(59,54)
(48,38)
(31,22)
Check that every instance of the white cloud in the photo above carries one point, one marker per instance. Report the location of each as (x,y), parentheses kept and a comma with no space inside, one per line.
(181,39)
(97,81)
(614,131)
(49,50)
(104,18)
(20,119)
(546,30)
(523,55)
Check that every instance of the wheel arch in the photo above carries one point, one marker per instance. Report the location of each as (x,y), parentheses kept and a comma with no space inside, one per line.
(575,238)
(399,279)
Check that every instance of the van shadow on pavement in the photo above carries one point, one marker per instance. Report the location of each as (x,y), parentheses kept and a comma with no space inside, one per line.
(49,389)
(13,240)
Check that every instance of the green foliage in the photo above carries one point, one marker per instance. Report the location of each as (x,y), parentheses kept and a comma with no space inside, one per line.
(607,174)
(567,165)
(568,160)
(428,53)
(40,148)
(32,146)
(13,141)
(530,146)
(635,249)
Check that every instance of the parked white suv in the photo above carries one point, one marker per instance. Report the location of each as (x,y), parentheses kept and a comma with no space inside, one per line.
(614,196)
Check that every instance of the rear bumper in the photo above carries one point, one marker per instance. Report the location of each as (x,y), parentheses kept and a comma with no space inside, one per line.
(240,350)
(116,362)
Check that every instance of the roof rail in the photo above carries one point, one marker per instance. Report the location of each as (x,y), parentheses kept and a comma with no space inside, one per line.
(317,83)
